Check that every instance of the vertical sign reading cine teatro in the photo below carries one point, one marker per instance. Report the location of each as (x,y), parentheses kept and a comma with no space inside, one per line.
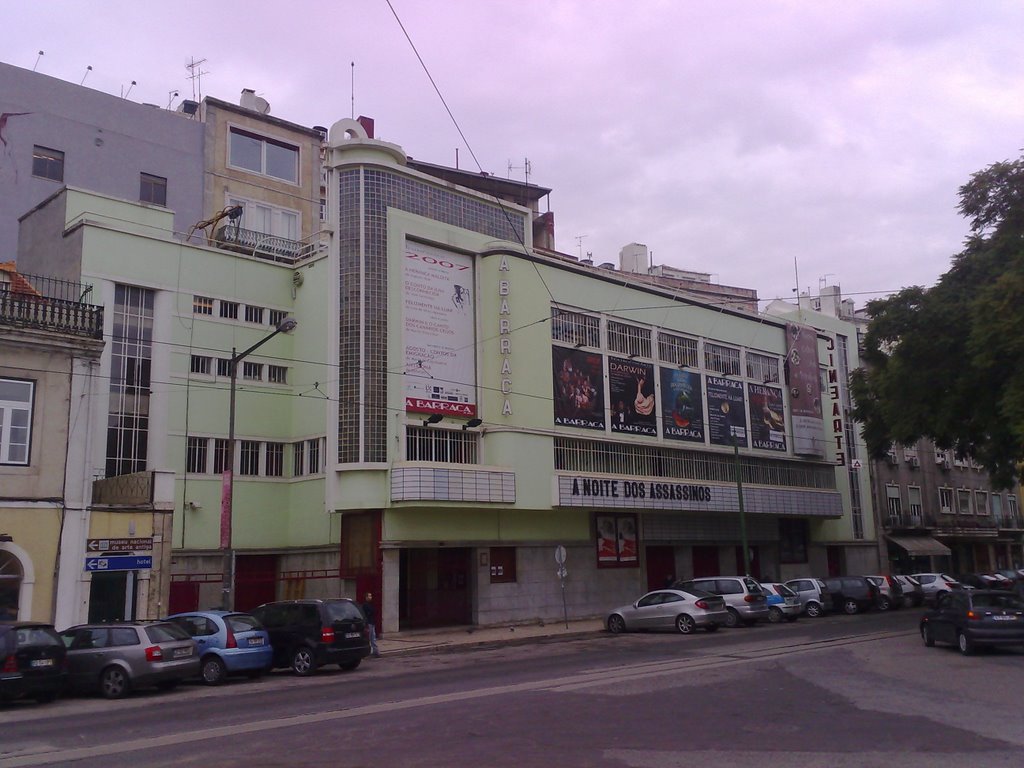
(438,331)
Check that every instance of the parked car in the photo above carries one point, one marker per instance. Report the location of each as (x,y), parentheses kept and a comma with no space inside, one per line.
(675,609)
(936,586)
(745,601)
(913,592)
(783,604)
(306,634)
(852,594)
(971,618)
(32,661)
(890,592)
(979,581)
(813,595)
(116,658)
(229,643)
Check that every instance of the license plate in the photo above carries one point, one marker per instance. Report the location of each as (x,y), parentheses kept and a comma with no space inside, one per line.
(41,663)
(1004,618)
(255,641)
(181,653)
(350,635)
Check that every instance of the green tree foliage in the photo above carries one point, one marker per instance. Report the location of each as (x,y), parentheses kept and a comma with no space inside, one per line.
(947,363)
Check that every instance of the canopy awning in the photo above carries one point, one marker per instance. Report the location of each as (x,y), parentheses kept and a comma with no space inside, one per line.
(920,546)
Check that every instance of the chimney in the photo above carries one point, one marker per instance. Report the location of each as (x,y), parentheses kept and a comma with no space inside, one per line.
(248,99)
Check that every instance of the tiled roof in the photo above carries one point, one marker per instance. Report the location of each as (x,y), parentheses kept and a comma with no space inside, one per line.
(18,284)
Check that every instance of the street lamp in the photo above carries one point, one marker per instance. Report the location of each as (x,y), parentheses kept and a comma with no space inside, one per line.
(227,487)
(739,490)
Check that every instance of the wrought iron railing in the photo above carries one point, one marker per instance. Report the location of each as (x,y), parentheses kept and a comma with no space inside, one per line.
(24,310)
(264,246)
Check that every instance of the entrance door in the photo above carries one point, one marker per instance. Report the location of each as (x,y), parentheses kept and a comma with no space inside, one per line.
(255,581)
(836,561)
(705,562)
(434,588)
(110,596)
(661,566)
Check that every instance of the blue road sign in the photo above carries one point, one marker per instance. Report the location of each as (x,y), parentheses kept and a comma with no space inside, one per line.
(119,563)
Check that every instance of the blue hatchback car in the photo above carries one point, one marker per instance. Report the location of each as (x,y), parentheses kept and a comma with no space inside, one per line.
(229,643)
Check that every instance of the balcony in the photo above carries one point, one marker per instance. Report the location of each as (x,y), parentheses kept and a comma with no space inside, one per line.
(903,520)
(264,246)
(976,526)
(24,307)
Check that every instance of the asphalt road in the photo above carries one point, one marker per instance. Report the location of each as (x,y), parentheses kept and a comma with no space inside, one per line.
(839,691)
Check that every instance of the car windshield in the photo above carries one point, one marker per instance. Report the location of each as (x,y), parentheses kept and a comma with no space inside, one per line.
(997,601)
(165,632)
(698,593)
(37,636)
(785,591)
(342,610)
(243,622)
(753,587)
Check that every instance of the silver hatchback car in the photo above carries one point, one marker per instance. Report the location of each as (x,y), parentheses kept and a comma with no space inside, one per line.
(745,601)
(116,657)
(815,598)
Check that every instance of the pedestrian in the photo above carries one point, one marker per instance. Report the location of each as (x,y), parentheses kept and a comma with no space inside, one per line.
(370,612)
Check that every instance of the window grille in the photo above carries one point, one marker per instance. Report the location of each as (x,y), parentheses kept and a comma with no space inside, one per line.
(575,328)
(253,314)
(762,368)
(202,305)
(277,374)
(201,364)
(250,458)
(630,340)
(441,445)
(678,350)
(197,450)
(275,459)
(721,359)
(229,310)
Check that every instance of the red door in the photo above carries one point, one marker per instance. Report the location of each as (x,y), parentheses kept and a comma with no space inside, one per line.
(184,597)
(255,581)
(705,562)
(835,558)
(661,566)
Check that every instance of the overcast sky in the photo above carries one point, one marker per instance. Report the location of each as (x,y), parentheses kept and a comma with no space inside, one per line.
(730,137)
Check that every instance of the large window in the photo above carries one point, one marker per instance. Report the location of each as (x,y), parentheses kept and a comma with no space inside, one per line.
(48,163)
(263,155)
(152,189)
(441,445)
(946,501)
(16,398)
(963,499)
(677,349)
(892,495)
(249,464)
(762,368)
(275,459)
(914,503)
(721,359)
(195,462)
(575,328)
(629,339)
(131,346)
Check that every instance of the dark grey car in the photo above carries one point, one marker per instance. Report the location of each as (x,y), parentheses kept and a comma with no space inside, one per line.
(115,658)
(306,634)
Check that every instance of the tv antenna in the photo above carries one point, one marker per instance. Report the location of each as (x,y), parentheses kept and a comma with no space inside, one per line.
(196,73)
(579,245)
(524,167)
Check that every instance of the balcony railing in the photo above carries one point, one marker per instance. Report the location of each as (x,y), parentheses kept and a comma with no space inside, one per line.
(24,310)
(271,247)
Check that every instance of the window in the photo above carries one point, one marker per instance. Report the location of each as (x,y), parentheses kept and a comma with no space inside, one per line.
(616,541)
(252,371)
(314,455)
(277,316)
(441,445)
(981,502)
(298,458)
(892,495)
(195,462)
(48,163)
(202,305)
(224,367)
(914,501)
(575,328)
(259,154)
(963,501)
(946,500)
(277,374)
(793,537)
(220,456)
(229,310)
(152,189)
(249,454)
(275,459)
(629,339)
(503,565)
(16,399)
(131,347)
(253,314)
(677,349)
(762,368)
(201,364)
(721,359)
(997,507)
(1011,506)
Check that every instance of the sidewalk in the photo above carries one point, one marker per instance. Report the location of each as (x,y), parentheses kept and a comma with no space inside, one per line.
(448,639)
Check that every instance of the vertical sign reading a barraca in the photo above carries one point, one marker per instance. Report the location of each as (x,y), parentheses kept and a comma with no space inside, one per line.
(439,331)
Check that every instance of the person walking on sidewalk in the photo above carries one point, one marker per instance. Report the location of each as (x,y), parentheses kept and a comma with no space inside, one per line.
(370,612)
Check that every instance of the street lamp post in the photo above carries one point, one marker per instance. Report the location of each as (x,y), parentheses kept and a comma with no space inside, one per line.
(743,515)
(227,487)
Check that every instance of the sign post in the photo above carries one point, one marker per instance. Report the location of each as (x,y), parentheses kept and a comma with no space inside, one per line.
(562,573)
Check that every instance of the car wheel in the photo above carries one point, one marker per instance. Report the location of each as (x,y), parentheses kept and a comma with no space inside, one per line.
(114,683)
(813,610)
(732,620)
(965,644)
(348,666)
(927,636)
(303,662)
(214,672)
(712,627)
(616,624)
(850,607)
(884,604)
(775,615)
(685,624)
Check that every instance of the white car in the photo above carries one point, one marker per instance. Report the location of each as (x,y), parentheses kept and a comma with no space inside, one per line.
(783,603)
(681,610)
(936,585)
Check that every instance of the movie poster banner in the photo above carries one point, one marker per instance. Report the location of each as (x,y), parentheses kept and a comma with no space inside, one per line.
(767,418)
(438,331)
(727,418)
(631,390)
(682,405)
(578,388)
(804,379)
(607,546)
(626,525)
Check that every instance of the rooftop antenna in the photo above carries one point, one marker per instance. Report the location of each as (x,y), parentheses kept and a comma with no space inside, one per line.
(352,89)
(579,245)
(171,96)
(88,69)
(41,54)
(124,93)
(823,280)
(196,73)
(525,167)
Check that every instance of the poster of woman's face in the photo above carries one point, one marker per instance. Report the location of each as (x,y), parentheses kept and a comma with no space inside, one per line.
(578,388)
(631,387)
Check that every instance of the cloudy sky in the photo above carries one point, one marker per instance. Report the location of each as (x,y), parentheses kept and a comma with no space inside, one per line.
(755,141)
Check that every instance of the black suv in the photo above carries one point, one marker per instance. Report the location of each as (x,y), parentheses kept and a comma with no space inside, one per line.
(852,594)
(32,661)
(306,634)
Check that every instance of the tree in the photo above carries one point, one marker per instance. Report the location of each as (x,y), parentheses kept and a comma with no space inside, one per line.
(947,363)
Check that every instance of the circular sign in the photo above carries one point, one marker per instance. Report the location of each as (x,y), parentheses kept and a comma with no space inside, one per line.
(560,554)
